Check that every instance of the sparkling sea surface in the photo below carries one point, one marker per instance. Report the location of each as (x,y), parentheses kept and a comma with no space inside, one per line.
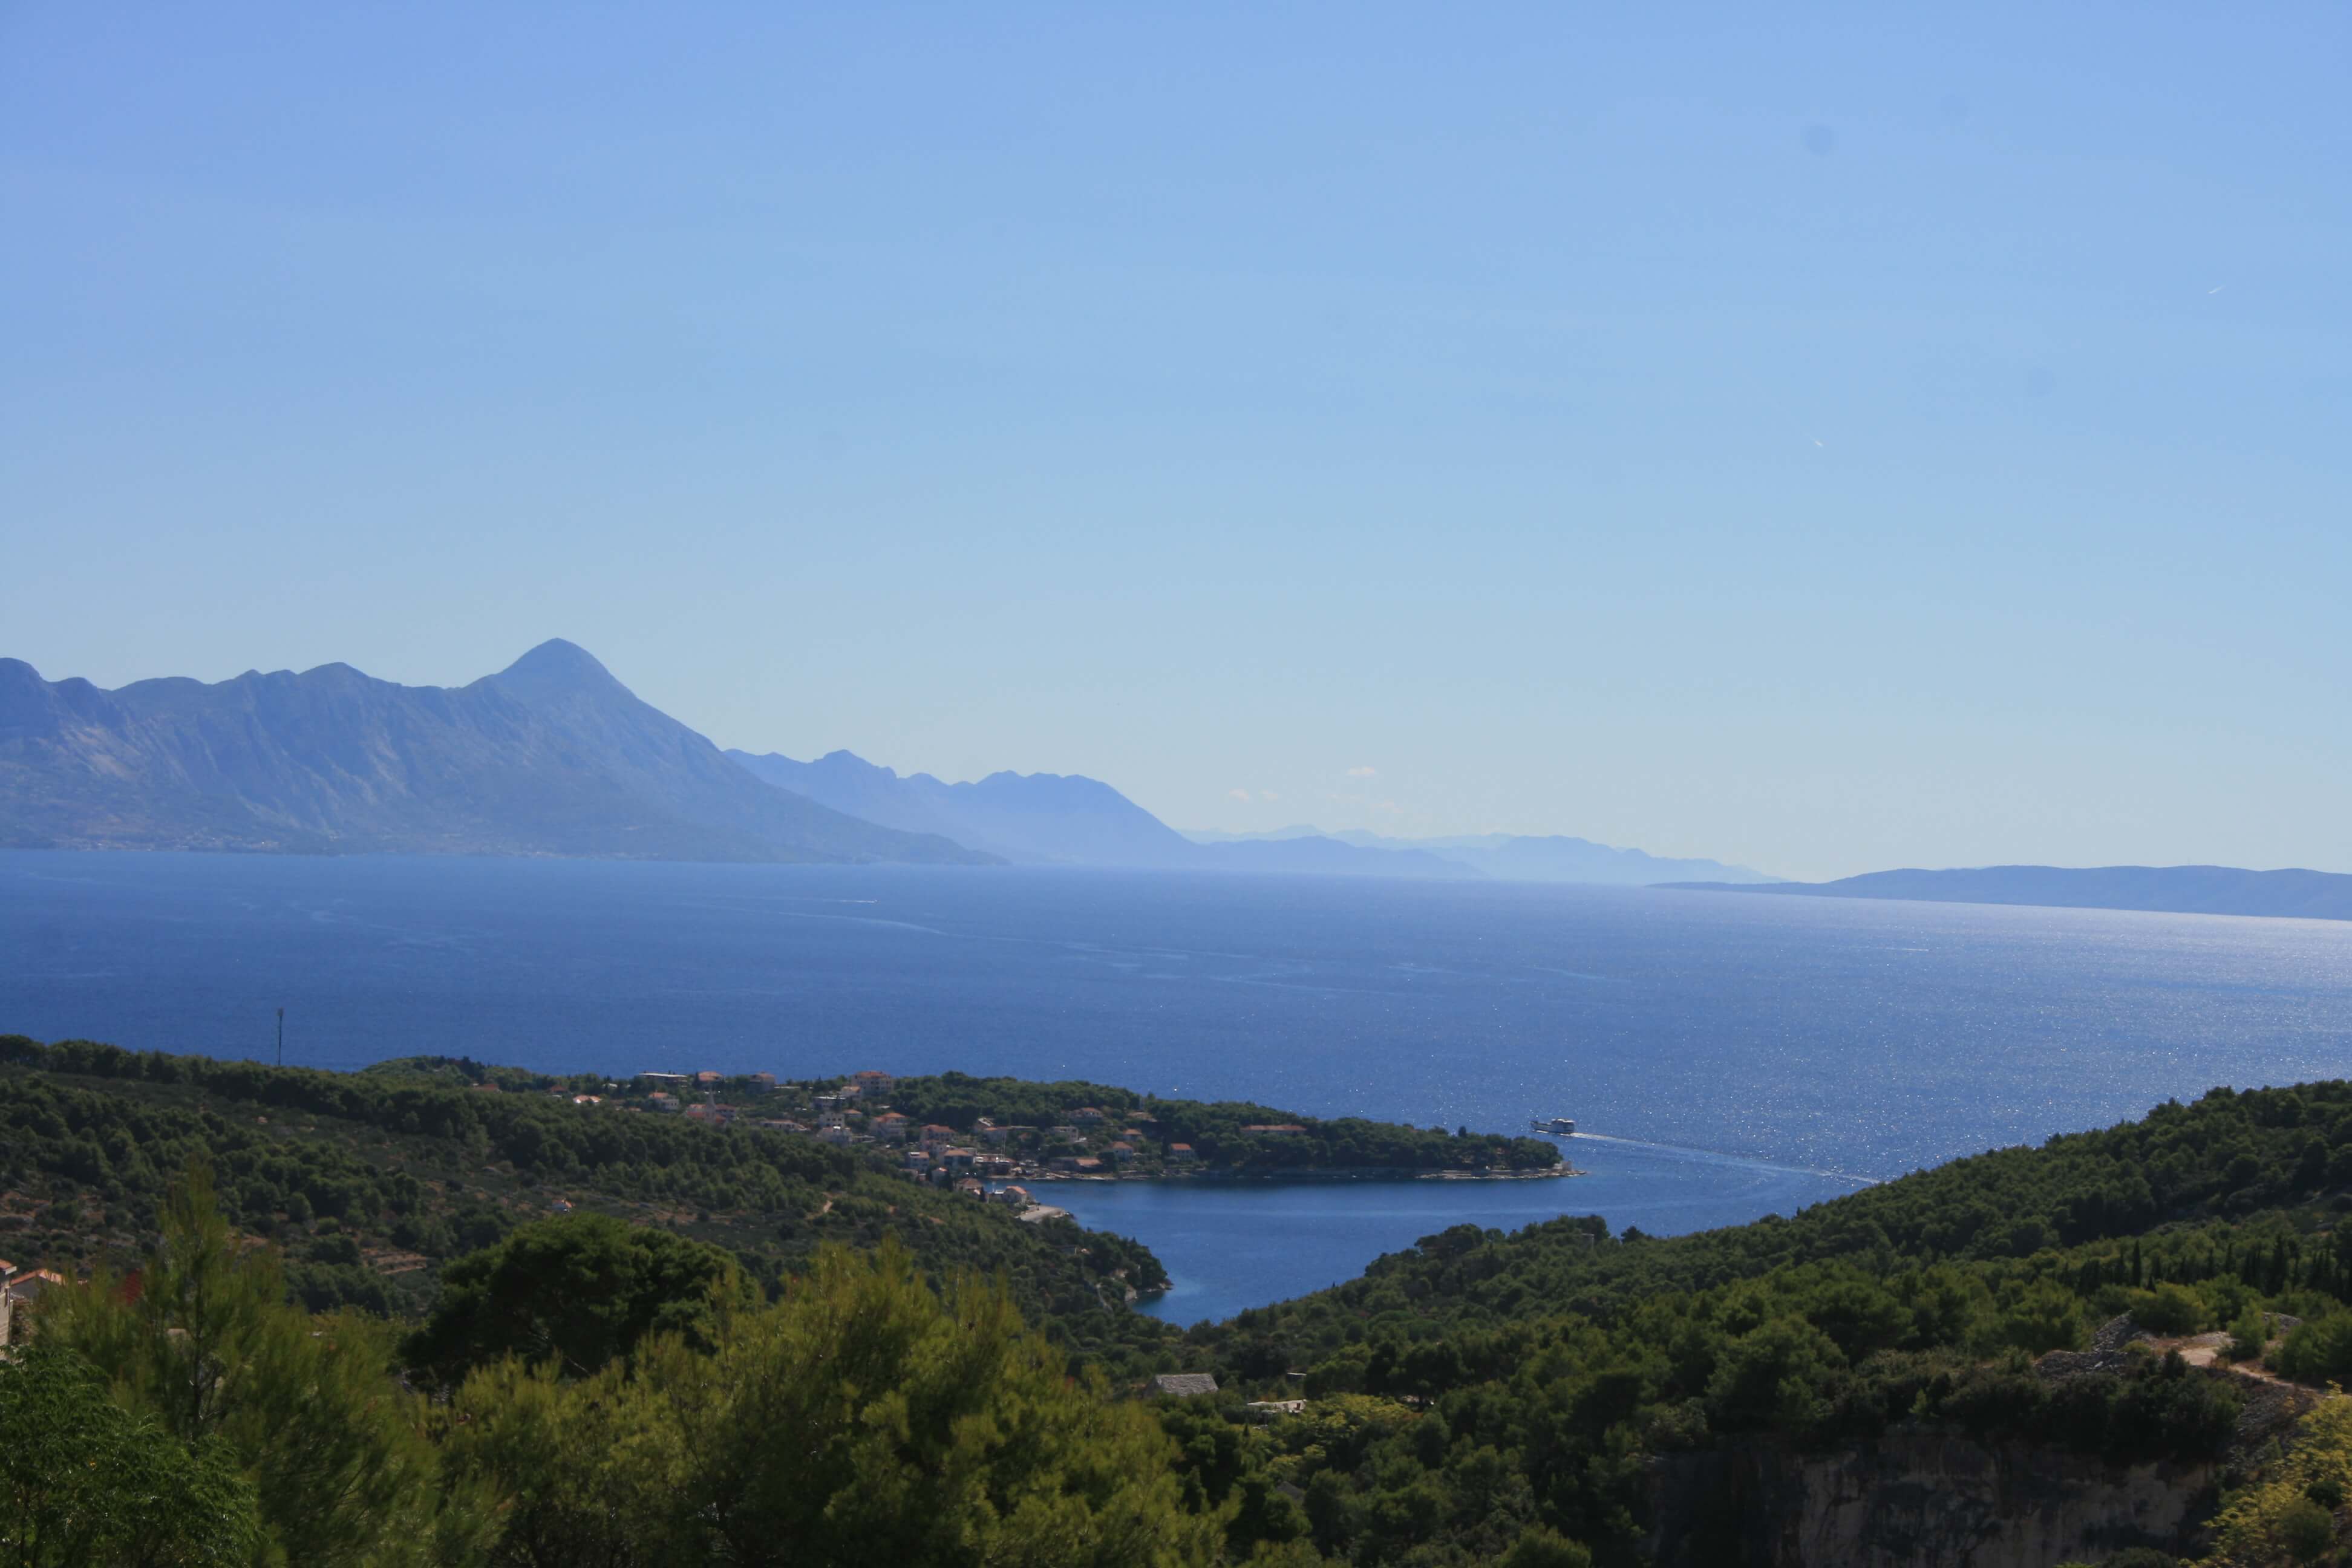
(1736,1055)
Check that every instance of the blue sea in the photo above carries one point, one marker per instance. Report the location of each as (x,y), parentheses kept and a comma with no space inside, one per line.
(1734,1054)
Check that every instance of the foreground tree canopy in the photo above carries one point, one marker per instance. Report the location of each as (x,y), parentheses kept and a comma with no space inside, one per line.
(606,1394)
(581,1292)
(193,1413)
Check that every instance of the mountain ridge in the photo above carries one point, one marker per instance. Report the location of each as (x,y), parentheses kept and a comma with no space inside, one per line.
(1072,820)
(551,755)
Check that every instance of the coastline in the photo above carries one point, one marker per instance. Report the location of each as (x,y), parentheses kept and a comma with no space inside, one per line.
(1315,1175)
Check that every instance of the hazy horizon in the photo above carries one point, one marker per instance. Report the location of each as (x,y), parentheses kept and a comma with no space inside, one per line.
(1822,444)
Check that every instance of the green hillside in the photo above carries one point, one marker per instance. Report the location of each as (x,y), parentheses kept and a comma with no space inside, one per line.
(613,1394)
(372,1180)
(1483,1382)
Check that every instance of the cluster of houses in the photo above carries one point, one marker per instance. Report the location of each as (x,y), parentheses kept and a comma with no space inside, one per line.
(1091,1142)
(17,1288)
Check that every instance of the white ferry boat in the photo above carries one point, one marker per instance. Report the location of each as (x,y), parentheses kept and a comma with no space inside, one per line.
(1557,1126)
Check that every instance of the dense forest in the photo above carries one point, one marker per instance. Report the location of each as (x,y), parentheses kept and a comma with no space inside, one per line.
(371,1181)
(603,1386)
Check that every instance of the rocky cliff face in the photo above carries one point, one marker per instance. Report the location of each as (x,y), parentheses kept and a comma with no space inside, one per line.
(1916,1500)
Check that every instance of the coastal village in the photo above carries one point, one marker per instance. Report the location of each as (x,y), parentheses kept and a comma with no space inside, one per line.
(993,1161)
(998,1140)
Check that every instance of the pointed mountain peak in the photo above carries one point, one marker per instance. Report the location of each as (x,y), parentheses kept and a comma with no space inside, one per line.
(557,668)
(556,660)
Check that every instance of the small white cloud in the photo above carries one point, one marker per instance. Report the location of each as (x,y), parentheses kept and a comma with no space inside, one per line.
(2217,287)
(1392,807)
(1364,772)
(1241,795)
(1267,794)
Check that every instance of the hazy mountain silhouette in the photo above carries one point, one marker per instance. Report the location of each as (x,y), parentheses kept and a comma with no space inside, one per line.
(550,756)
(1056,819)
(1515,858)
(1040,818)
(2179,889)
(1060,820)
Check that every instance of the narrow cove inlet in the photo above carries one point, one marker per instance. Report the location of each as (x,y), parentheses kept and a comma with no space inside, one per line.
(1232,1246)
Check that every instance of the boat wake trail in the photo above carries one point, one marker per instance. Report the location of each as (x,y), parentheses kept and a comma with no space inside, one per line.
(1710,1157)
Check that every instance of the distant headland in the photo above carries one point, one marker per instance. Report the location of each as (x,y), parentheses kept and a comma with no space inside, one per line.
(2174,889)
(952,1130)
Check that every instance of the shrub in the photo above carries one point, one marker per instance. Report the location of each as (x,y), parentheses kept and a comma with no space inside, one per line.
(2169,1309)
(2318,1351)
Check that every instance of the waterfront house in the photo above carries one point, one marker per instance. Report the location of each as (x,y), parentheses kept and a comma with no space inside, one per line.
(1086,1166)
(1180,1154)
(970,1189)
(955,1159)
(1014,1198)
(1124,1153)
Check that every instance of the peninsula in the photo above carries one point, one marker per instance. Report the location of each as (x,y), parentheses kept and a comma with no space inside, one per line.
(953,1130)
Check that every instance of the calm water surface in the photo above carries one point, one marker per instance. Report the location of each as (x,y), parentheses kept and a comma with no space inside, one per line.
(1845,1038)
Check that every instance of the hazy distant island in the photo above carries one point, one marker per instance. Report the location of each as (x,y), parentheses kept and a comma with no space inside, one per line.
(552,756)
(2176,890)
(1518,857)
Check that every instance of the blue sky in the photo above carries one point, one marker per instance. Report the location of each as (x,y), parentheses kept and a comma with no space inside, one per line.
(1824,439)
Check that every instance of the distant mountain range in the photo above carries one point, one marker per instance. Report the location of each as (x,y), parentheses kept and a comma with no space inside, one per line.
(1042,818)
(1066,820)
(550,756)
(553,756)
(2176,889)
